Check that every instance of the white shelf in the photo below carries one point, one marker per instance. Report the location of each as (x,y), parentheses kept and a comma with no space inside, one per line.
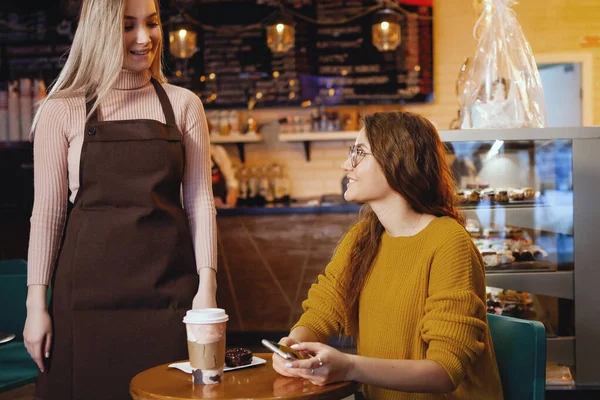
(317,136)
(561,350)
(551,218)
(236,139)
(557,284)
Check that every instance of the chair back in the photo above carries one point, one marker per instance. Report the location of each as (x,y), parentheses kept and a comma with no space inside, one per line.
(520,347)
(13,293)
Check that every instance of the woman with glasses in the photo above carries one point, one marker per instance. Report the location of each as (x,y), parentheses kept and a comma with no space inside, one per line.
(406,282)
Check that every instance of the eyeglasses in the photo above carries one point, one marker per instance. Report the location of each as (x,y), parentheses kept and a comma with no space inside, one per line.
(356,155)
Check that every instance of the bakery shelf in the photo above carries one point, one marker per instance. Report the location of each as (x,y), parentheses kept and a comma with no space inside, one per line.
(309,137)
(561,350)
(515,204)
(236,139)
(317,136)
(556,283)
(551,218)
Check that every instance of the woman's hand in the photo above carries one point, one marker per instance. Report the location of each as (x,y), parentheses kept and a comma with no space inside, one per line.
(37,335)
(327,365)
(279,362)
(203,299)
(232,196)
(206,296)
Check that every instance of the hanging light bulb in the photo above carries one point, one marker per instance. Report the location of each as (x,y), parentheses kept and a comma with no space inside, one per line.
(386,30)
(182,39)
(280,33)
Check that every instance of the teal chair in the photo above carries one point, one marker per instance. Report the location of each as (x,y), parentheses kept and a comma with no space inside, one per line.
(520,348)
(16,366)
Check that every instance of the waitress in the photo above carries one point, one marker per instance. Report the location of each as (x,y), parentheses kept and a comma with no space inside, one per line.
(136,255)
(224,182)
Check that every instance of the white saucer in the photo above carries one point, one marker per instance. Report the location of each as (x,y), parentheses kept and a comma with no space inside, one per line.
(187,368)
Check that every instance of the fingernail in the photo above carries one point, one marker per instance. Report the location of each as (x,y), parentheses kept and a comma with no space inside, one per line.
(295,346)
(42,370)
(288,365)
(47,354)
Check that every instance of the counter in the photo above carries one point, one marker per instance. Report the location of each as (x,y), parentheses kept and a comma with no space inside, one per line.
(294,208)
(268,257)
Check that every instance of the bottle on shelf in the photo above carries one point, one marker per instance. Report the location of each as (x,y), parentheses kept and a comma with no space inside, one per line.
(242,175)
(281,184)
(14,119)
(315,121)
(39,93)
(224,127)
(253,188)
(251,126)
(3,112)
(234,122)
(19,101)
(25,107)
(265,195)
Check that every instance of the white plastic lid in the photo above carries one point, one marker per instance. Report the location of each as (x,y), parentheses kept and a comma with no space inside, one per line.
(205,316)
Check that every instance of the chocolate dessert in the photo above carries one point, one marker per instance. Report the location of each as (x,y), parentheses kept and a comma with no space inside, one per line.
(238,357)
(473,197)
(501,196)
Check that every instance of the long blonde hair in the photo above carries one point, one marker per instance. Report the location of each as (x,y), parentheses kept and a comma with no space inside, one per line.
(96,55)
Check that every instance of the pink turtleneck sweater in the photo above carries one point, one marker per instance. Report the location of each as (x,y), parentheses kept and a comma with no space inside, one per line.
(57,151)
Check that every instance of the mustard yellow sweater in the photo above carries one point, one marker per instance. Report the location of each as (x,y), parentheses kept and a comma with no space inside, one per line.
(424,299)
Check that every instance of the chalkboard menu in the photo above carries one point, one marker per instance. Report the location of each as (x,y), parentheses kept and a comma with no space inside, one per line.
(330,64)
(35,36)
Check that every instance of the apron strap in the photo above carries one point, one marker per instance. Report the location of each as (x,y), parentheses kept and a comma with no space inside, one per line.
(164,102)
(88,107)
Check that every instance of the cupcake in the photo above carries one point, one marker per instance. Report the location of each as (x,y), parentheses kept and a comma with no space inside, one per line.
(490,258)
(517,195)
(505,257)
(529,193)
(473,197)
(501,196)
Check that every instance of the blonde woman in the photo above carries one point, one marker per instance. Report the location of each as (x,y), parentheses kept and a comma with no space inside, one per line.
(118,142)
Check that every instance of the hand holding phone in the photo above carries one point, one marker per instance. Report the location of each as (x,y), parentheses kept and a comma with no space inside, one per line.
(283,350)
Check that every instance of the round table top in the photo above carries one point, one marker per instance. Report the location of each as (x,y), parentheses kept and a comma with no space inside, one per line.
(258,382)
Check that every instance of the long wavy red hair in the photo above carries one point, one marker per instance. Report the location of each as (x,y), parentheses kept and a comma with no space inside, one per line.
(412,158)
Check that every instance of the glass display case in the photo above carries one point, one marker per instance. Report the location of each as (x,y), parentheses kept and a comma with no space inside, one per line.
(529,196)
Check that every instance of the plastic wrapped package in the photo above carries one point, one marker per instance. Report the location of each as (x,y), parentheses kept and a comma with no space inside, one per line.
(500,86)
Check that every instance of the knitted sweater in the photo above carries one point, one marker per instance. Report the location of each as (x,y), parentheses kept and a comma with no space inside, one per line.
(424,299)
(57,152)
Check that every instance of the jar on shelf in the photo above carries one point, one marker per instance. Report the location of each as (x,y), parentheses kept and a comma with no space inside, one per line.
(224,127)
(234,122)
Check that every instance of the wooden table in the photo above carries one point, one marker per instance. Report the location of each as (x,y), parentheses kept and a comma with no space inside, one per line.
(259,382)
(6,337)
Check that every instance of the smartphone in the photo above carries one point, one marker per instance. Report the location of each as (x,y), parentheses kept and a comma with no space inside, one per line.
(283,350)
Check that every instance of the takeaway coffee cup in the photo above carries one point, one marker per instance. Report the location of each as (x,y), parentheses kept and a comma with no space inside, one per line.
(206,344)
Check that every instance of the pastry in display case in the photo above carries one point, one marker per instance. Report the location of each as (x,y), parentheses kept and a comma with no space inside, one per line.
(511,303)
(507,196)
(507,247)
(528,198)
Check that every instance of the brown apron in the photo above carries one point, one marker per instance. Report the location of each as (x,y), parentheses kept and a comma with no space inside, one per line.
(126,272)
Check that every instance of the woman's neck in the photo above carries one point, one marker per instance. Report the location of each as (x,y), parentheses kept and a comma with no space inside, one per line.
(397,216)
(131,80)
